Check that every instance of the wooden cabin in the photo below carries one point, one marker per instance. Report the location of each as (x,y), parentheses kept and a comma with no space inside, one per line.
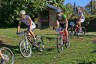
(47,18)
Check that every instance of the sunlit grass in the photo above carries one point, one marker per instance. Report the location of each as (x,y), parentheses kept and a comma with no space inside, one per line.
(81,51)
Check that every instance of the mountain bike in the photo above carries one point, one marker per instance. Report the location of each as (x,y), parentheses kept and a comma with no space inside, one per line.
(27,44)
(74,30)
(61,40)
(8,56)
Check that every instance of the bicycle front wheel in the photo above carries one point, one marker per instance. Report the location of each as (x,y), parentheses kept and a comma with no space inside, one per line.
(25,48)
(8,56)
(60,43)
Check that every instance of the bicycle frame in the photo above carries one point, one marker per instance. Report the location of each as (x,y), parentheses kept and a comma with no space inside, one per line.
(61,32)
(26,39)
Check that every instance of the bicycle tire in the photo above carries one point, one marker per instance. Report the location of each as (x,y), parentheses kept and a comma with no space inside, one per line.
(60,43)
(7,54)
(40,43)
(67,44)
(25,52)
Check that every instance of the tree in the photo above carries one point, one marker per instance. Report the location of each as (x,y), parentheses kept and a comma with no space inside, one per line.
(91,7)
(69,9)
(9,9)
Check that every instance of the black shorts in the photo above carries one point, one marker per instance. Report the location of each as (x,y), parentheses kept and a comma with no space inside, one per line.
(62,25)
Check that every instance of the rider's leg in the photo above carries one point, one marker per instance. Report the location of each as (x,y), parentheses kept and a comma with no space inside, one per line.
(79,24)
(66,33)
(57,24)
(1,55)
(30,32)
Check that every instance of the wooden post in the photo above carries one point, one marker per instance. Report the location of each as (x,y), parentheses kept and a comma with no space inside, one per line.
(39,21)
(91,6)
(74,7)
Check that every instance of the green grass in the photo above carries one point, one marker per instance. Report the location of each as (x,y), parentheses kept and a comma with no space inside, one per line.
(81,51)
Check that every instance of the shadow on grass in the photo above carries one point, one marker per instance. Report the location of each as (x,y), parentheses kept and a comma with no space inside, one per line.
(49,49)
(89,35)
(93,51)
(51,34)
(15,49)
(83,62)
(50,38)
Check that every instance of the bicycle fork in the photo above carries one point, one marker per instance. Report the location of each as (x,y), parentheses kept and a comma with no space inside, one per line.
(27,43)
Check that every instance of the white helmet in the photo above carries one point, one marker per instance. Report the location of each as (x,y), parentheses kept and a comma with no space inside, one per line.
(22,12)
(78,8)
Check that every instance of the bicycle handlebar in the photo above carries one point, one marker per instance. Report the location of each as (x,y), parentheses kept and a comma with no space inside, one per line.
(21,33)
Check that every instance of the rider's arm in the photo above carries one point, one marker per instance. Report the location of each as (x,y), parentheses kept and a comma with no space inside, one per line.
(30,22)
(66,23)
(57,23)
(18,28)
(66,20)
(0,53)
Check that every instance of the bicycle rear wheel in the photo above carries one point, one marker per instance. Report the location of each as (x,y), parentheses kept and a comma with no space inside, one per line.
(81,33)
(25,48)
(8,56)
(60,43)
(40,43)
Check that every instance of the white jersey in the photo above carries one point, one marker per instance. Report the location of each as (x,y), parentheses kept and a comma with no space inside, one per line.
(80,14)
(26,21)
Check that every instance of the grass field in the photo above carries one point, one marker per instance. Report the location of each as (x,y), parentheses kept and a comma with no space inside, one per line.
(81,51)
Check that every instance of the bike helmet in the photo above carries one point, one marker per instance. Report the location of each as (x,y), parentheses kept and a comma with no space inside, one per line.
(22,12)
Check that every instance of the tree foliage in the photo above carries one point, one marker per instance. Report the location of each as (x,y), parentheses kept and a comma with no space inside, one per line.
(69,9)
(91,7)
(9,9)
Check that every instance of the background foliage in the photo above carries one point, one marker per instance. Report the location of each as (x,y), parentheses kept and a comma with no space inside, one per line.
(9,9)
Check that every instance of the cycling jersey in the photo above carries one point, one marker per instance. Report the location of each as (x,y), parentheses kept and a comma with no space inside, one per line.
(80,14)
(62,20)
(26,21)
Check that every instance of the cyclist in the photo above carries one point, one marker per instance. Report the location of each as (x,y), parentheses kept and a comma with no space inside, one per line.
(80,17)
(63,22)
(1,55)
(28,21)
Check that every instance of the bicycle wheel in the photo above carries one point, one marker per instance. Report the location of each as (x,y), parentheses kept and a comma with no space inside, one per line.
(71,31)
(67,44)
(81,33)
(40,43)
(60,43)
(8,56)
(25,48)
